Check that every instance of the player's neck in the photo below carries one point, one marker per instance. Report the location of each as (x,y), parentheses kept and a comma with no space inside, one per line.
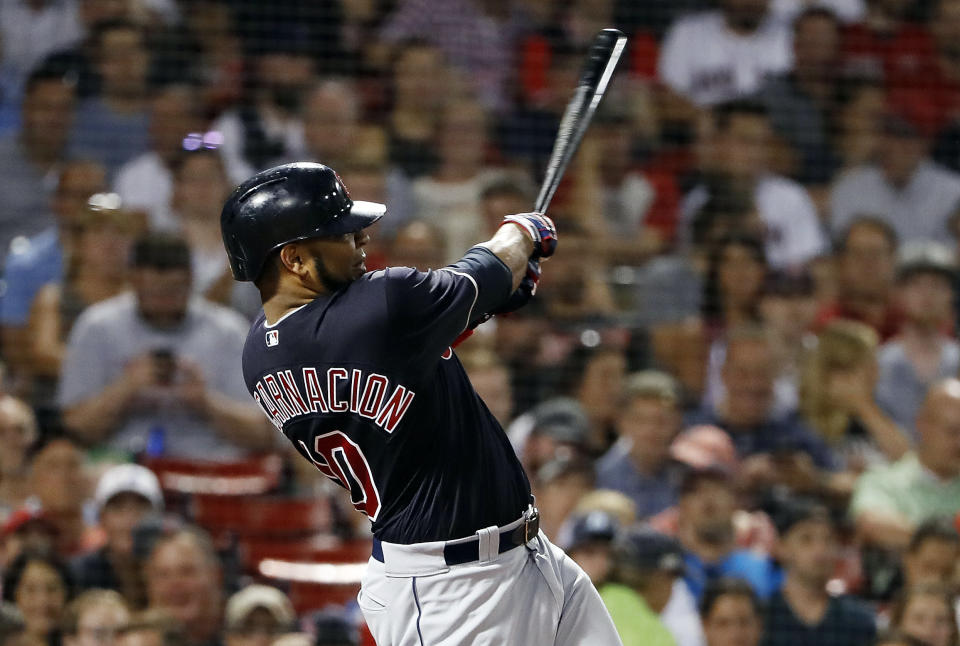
(284,301)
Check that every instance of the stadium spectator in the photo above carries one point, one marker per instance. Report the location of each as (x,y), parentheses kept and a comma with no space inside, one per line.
(803,610)
(731,614)
(331,123)
(157,371)
(932,554)
(865,259)
(126,494)
(449,196)
(705,529)
(256,616)
(40,586)
(42,259)
(639,464)
(559,486)
(146,181)
(419,74)
(774,449)
(267,124)
(904,187)
(18,432)
(897,638)
(491,379)
(837,397)
(29,33)
(734,282)
(591,536)
(645,566)
(555,427)
(926,614)
(101,239)
(478,38)
(418,244)
(59,486)
(112,126)
(801,103)
(94,618)
(890,501)
(27,530)
(11,624)
(922,353)
(183,579)
(788,219)
(718,55)
(151,628)
(29,158)
(861,107)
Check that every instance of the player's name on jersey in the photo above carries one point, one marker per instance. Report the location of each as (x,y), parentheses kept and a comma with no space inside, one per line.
(284,395)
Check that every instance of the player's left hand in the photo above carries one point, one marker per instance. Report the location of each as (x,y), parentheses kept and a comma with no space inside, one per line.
(541,230)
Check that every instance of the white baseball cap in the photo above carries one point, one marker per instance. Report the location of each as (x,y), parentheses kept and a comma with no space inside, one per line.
(131,478)
(254,596)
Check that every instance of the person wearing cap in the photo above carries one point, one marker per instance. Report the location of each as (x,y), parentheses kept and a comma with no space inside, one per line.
(802,610)
(645,565)
(890,501)
(591,535)
(125,495)
(157,371)
(555,426)
(256,615)
(639,464)
(27,529)
(905,187)
(922,352)
(18,431)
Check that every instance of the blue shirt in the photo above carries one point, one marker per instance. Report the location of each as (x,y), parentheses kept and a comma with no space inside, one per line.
(106,136)
(845,623)
(651,494)
(762,575)
(26,271)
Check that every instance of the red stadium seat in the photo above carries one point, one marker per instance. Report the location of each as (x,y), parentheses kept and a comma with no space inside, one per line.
(262,515)
(242,478)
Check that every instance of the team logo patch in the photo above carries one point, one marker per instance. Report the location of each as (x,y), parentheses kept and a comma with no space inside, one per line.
(273,338)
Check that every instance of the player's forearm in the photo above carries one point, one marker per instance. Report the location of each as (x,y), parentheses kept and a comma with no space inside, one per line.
(239,421)
(511,245)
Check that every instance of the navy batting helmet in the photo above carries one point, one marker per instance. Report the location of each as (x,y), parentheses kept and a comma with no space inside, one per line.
(285,204)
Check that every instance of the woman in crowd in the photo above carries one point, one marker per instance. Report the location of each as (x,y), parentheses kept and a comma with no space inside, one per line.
(18,431)
(837,385)
(40,586)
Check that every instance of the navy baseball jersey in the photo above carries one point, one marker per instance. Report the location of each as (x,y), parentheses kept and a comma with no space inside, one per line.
(364,384)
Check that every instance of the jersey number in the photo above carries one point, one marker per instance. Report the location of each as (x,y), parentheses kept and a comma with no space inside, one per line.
(338,458)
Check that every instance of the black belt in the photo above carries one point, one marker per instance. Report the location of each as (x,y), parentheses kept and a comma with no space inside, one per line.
(469,551)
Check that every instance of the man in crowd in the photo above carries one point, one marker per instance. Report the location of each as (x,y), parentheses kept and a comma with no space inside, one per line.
(157,371)
(890,501)
(932,554)
(865,258)
(126,494)
(803,611)
(183,580)
(639,464)
(705,529)
(922,353)
(645,566)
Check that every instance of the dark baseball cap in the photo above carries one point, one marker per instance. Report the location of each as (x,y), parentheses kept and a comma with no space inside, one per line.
(562,419)
(645,549)
(593,526)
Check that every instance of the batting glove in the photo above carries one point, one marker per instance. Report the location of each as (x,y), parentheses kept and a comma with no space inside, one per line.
(541,230)
(524,292)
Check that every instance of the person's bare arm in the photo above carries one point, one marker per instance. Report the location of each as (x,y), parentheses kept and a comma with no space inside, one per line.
(43,333)
(94,418)
(883,530)
(513,246)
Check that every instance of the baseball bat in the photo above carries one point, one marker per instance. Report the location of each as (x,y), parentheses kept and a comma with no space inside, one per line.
(597,70)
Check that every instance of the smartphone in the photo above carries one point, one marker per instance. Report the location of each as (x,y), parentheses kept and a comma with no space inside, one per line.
(164,365)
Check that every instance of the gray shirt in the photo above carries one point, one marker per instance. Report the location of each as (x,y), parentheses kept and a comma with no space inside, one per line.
(111,333)
(918,211)
(25,207)
(900,391)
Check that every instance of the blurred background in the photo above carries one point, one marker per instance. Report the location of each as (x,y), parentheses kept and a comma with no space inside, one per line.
(735,393)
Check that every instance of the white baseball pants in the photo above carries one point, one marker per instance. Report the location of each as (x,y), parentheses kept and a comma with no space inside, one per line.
(532,595)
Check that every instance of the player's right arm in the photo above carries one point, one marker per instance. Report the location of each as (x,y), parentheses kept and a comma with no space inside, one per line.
(513,246)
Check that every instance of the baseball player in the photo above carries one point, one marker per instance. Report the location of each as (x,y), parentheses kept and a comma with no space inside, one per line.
(356,369)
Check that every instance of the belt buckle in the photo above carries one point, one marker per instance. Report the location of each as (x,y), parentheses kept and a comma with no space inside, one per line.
(532,521)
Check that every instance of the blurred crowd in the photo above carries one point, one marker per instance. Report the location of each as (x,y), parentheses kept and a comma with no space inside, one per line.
(735,394)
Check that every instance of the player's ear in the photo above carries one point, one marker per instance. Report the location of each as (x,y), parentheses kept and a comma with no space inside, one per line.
(292,259)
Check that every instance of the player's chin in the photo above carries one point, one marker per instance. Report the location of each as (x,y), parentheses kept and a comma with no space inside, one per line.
(359,269)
